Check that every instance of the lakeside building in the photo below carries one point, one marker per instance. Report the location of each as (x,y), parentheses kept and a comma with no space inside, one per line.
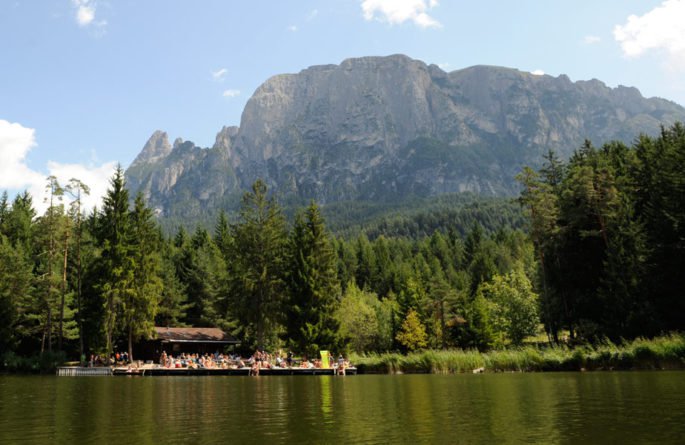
(183,340)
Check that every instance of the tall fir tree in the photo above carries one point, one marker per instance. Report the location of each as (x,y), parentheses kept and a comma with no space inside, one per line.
(77,190)
(140,305)
(257,272)
(116,266)
(314,290)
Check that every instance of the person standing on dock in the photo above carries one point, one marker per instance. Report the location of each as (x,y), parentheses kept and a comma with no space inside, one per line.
(341,365)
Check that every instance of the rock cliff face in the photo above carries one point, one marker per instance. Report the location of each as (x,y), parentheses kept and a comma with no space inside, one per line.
(384,128)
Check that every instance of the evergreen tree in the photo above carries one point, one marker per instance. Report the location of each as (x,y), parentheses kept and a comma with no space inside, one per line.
(173,304)
(18,223)
(139,307)
(116,264)
(257,272)
(314,290)
(77,190)
(48,264)
(202,271)
(15,291)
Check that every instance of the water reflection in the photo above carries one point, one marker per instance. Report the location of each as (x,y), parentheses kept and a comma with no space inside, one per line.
(631,407)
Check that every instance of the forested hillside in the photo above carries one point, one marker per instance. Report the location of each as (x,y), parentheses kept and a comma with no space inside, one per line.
(601,254)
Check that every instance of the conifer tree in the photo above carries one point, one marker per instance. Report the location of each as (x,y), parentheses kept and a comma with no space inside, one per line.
(257,272)
(314,290)
(77,190)
(116,265)
(202,271)
(15,291)
(140,305)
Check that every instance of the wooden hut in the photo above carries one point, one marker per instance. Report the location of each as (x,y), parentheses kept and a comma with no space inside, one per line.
(179,340)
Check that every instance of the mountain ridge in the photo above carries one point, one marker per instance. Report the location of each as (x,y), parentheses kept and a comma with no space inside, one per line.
(384,128)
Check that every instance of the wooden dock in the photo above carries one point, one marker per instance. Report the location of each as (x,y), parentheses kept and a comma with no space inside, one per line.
(78,371)
(159,371)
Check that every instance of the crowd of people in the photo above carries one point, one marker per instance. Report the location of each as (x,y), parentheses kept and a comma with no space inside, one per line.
(116,359)
(258,360)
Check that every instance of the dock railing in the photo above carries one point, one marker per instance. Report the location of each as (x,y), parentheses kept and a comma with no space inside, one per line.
(74,371)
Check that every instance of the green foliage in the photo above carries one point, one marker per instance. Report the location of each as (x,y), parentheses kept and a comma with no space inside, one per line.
(15,290)
(257,272)
(140,307)
(666,352)
(46,362)
(608,230)
(116,264)
(604,252)
(365,321)
(412,335)
(314,290)
(201,271)
(512,306)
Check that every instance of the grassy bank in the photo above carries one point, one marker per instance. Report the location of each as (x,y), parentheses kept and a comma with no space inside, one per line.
(667,352)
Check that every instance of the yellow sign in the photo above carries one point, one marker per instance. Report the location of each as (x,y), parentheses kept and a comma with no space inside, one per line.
(325,359)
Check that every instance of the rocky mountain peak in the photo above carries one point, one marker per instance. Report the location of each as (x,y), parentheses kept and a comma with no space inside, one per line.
(156,148)
(387,128)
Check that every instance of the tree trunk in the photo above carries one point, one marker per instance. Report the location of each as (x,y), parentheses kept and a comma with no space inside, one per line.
(130,343)
(442,324)
(78,289)
(64,291)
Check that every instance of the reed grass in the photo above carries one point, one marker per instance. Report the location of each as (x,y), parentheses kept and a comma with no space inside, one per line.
(665,352)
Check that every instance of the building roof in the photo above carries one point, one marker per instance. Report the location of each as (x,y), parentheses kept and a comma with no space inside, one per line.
(193,335)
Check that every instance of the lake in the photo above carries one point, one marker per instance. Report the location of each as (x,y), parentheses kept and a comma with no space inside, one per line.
(599,407)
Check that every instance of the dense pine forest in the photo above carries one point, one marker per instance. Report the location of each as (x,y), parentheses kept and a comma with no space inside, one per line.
(594,249)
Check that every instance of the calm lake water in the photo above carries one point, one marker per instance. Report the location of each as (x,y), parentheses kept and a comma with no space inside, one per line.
(600,407)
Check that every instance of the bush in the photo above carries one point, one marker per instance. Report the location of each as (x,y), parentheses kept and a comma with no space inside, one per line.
(47,362)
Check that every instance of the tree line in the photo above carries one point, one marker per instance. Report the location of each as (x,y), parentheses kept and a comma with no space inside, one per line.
(85,282)
(609,233)
(602,257)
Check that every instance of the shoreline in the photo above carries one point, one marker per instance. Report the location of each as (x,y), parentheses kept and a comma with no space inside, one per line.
(660,353)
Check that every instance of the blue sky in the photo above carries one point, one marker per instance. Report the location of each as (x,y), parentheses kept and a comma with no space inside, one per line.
(84,83)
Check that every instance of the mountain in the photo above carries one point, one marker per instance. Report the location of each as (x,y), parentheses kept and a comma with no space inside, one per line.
(383,129)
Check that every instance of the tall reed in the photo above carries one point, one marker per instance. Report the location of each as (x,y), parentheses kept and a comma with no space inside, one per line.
(666,352)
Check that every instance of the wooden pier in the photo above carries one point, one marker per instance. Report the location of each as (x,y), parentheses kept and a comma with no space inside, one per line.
(77,371)
(160,371)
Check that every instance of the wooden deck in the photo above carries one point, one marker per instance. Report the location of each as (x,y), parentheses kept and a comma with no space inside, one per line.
(219,371)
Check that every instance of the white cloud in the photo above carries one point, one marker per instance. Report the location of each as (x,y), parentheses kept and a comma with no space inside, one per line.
(661,29)
(312,15)
(15,143)
(219,74)
(85,14)
(537,73)
(396,12)
(591,40)
(231,93)
(96,177)
(444,66)
(292,28)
